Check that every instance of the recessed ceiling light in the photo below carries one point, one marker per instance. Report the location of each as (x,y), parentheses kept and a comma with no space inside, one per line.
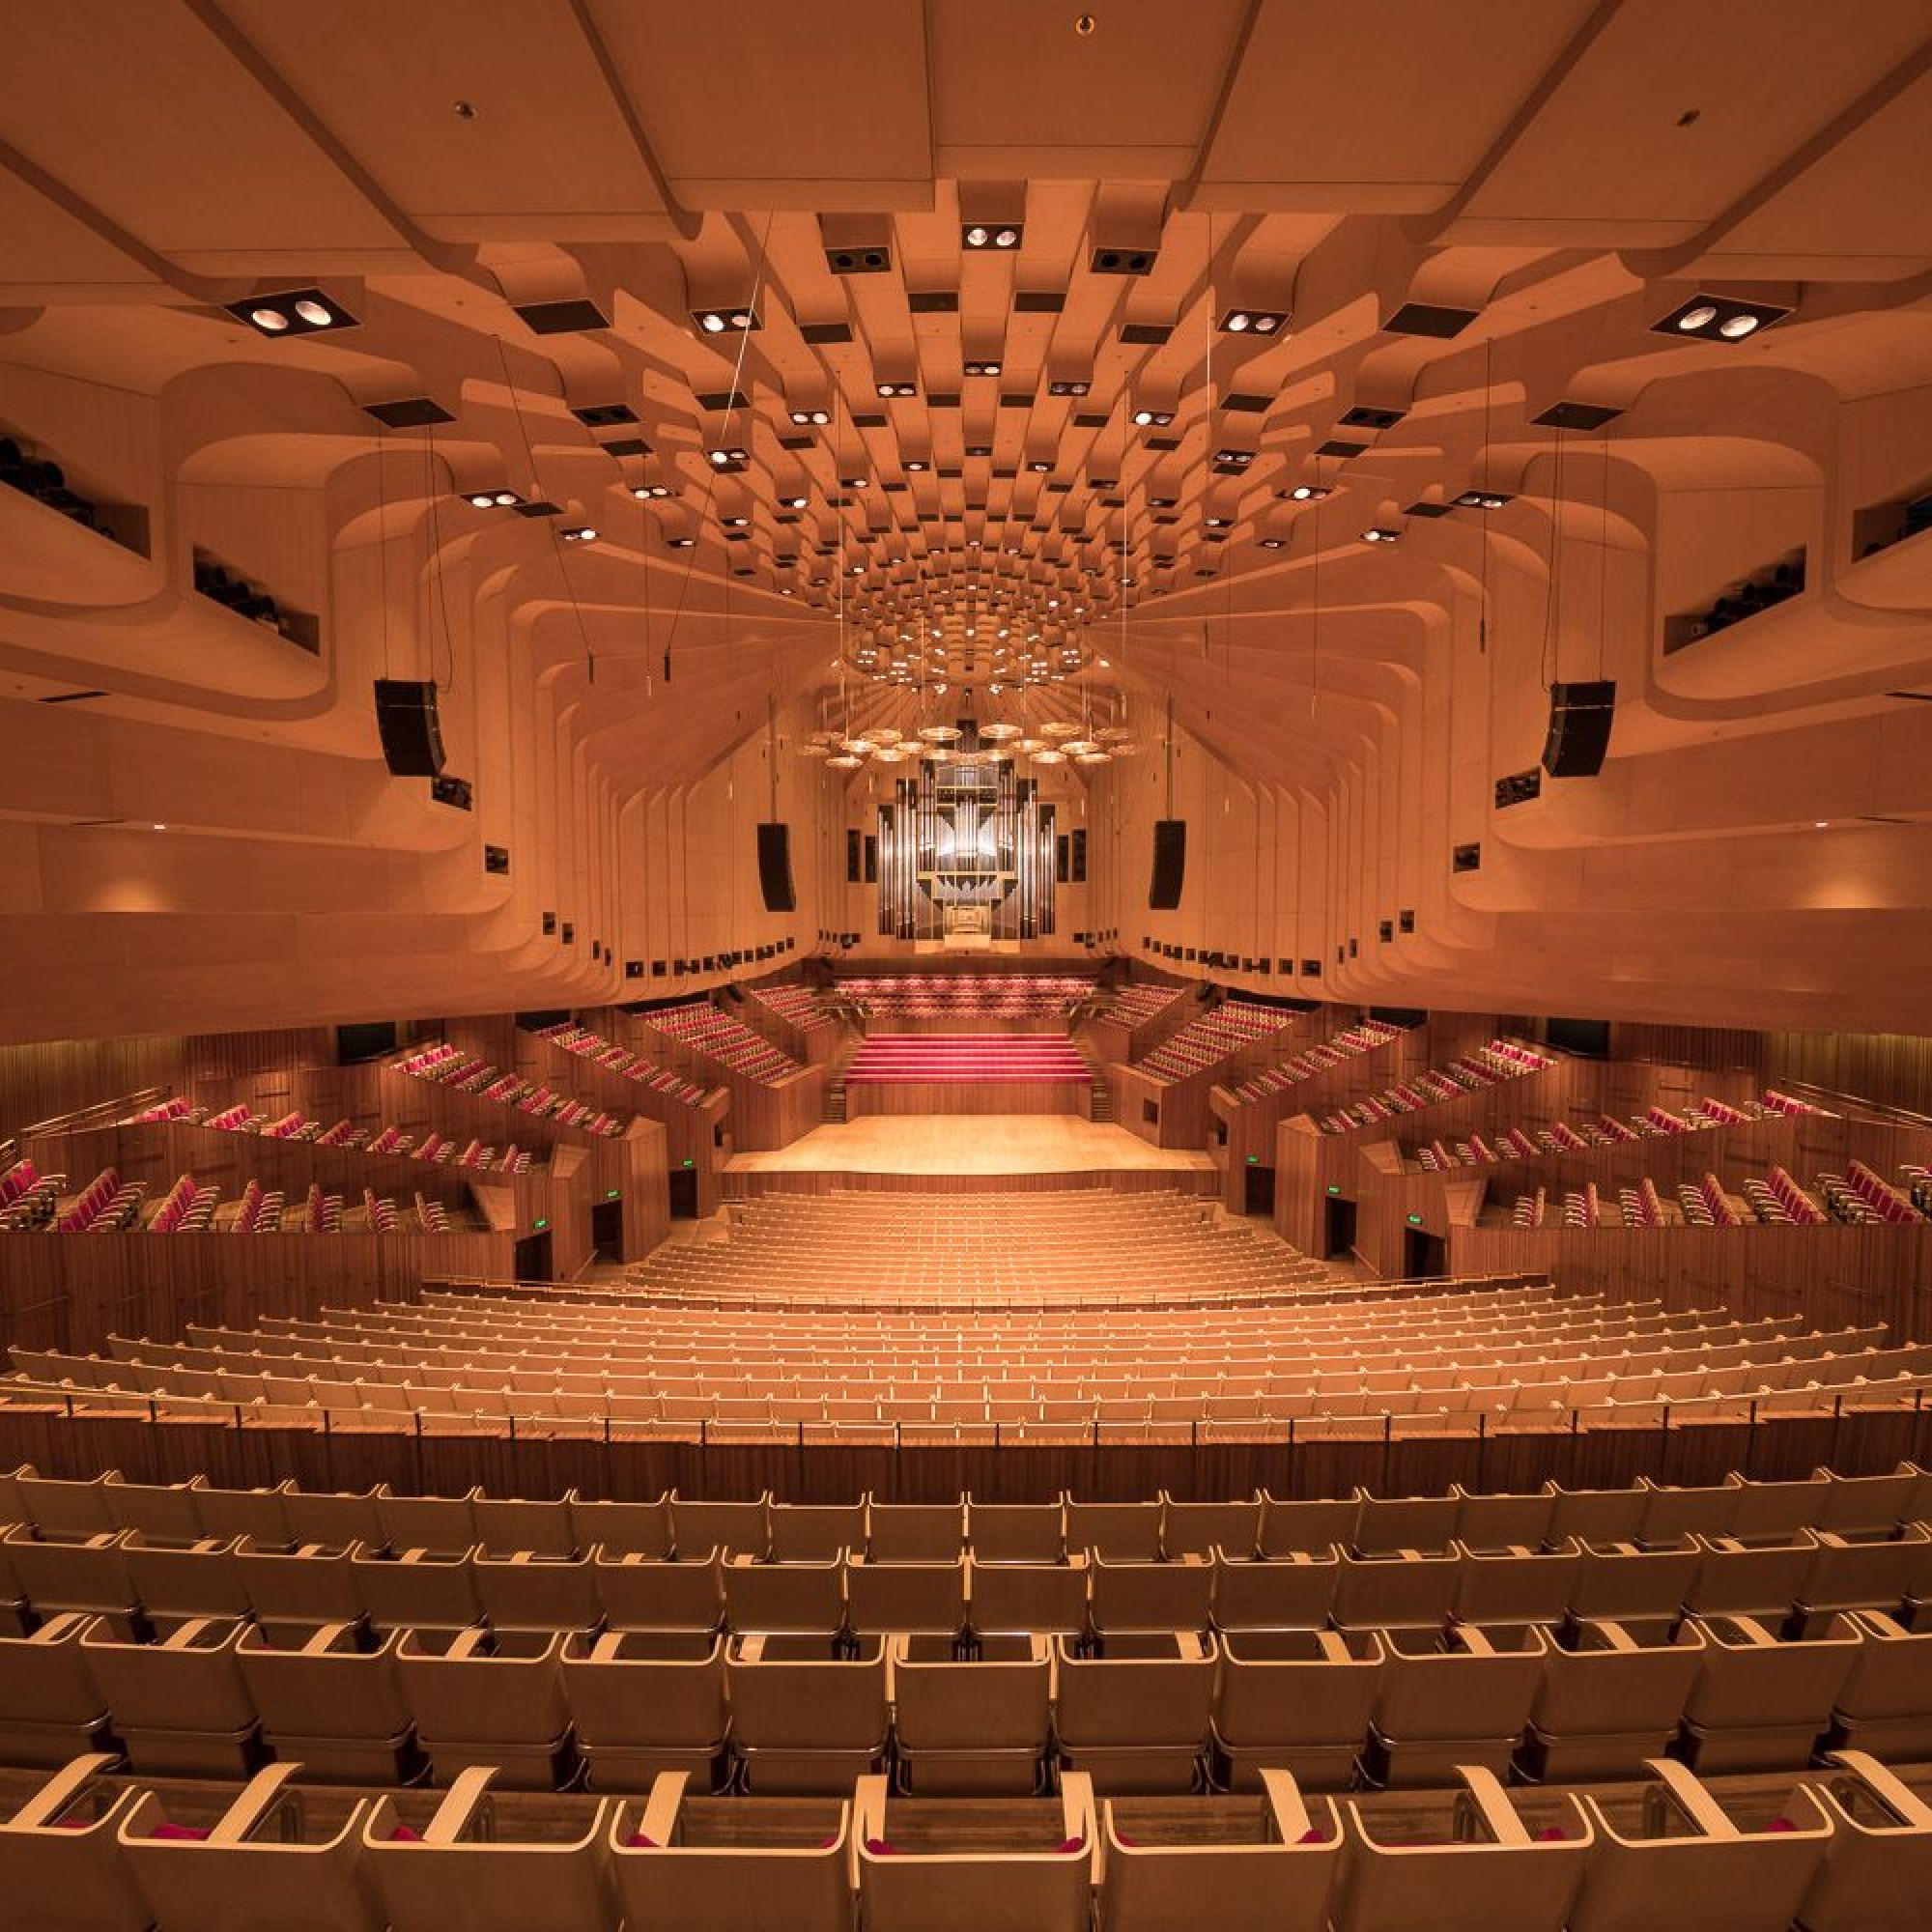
(1066,388)
(1482,499)
(1720,318)
(1380,535)
(584,535)
(795,502)
(727,459)
(853,482)
(898,389)
(811,418)
(681,543)
(725,320)
(1304,492)
(1153,419)
(1238,459)
(648,491)
(1253,321)
(983,368)
(295,312)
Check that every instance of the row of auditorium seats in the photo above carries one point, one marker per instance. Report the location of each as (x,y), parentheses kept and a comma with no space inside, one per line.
(1604,1130)
(1511,1358)
(1486,1067)
(1337,1050)
(1858,1197)
(1846,1850)
(782,1712)
(650,1074)
(1234,1027)
(995,998)
(296,1127)
(448,1066)
(798,1006)
(1133,1006)
(702,1027)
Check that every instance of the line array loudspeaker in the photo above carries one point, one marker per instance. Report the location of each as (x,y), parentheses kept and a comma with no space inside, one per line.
(774,867)
(1579,728)
(412,735)
(1169,863)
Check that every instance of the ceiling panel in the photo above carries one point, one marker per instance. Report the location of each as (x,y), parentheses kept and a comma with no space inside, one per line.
(1385,108)
(1014,79)
(547,151)
(771,103)
(141,112)
(1761,77)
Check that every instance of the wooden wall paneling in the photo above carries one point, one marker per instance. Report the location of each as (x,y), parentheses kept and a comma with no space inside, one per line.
(954,1096)
(71,1292)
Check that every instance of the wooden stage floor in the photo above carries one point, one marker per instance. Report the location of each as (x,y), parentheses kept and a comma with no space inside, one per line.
(965,1149)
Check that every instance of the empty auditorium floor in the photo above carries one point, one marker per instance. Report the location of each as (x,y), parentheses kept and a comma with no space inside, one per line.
(952,1143)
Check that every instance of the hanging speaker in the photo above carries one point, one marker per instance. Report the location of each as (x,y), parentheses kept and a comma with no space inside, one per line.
(774,867)
(1579,728)
(412,735)
(1170,862)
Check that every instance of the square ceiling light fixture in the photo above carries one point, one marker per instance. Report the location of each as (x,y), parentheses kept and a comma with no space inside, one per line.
(295,312)
(1719,319)
(727,321)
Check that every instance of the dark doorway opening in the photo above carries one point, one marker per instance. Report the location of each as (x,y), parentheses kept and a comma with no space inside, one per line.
(683,1194)
(533,1261)
(1259,1194)
(1423,1254)
(1338,1229)
(607,1231)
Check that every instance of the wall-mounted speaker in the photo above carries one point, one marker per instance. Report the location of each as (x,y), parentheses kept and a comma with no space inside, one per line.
(1169,863)
(774,867)
(412,734)
(1579,728)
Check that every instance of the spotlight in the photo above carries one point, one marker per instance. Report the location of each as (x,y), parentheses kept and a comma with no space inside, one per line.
(491,499)
(1238,459)
(1068,388)
(981,235)
(723,321)
(506,498)
(680,543)
(1718,317)
(1304,492)
(983,368)
(853,482)
(975,238)
(1256,321)
(795,502)
(1271,543)
(913,467)
(583,534)
(1153,418)
(893,390)
(1039,468)
(483,502)
(1220,523)
(727,459)
(1380,535)
(296,312)
(649,492)
(811,418)
(1482,499)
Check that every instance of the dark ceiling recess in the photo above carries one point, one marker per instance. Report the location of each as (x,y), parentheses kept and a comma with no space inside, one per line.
(1429,319)
(559,318)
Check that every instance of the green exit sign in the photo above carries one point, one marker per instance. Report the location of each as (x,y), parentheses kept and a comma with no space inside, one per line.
(1254,1160)
(1415,1220)
(539,1224)
(613,1194)
(1333,1189)
(689,1162)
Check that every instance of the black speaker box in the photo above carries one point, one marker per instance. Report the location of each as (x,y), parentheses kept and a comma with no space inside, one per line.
(774,867)
(412,735)
(1170,862)
(1579,728)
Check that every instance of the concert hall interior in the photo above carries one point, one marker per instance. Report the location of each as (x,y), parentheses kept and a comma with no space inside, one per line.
(965,966)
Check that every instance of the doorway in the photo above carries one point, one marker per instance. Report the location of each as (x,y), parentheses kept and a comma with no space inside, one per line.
(1423,1254)
(1338,1229)
(1259,1196)
(607,1231)
(683,1194)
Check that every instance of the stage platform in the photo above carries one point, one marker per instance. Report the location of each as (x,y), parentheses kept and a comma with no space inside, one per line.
(968,1153)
